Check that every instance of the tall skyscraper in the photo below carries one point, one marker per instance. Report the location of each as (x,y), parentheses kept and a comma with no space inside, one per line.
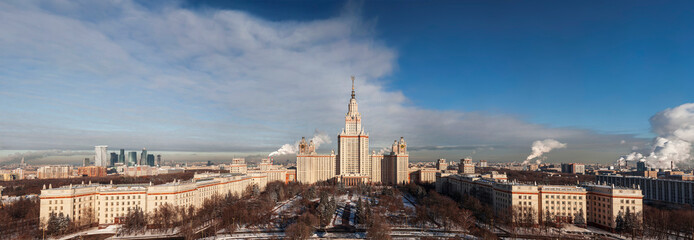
(121,156)
(132,158)
(158,163)
(143,157)
(353,142)
(641,166)
(353,164)
(101,156)
(150,159)
(85,162)
(114,159)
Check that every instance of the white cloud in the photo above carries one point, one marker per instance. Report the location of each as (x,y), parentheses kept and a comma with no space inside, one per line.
(172,78)
(675,129)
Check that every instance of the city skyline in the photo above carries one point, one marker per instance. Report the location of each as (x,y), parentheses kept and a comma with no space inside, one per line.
(210,80)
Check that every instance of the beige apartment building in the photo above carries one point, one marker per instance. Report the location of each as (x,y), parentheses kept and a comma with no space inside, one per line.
(109,203)
(606,202)
(562,203)
(466,166)
(423,175)
(238,165)
(441,164)
(352,164)
(597,205)
(46,172)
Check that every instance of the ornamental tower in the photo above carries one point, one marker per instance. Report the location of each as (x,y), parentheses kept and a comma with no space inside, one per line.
(353,143)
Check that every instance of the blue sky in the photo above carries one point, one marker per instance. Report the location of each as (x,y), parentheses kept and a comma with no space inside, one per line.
(480,78)
(561,63)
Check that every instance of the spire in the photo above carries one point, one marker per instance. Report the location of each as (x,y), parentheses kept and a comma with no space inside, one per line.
(352,87)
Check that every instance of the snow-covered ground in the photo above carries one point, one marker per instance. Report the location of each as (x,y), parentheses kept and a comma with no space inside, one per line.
(408,200)
(112,229)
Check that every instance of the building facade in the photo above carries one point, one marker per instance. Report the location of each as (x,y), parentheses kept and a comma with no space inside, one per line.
(441,164)
(46,172)
(132,158)
(109,203)
(667,191)
(101,156)
(238,165)
(607,202)
(575,168)
(143,157)
(597,205)
(466,166)
(353,164)
(483,164)
(121,156)
(91,171)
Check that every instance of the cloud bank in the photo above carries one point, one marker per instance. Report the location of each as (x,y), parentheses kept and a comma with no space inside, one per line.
(78,74)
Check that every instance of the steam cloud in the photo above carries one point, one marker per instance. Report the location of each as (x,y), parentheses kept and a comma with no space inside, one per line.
(286,149)
(542,147)
(675,129)
(385,150)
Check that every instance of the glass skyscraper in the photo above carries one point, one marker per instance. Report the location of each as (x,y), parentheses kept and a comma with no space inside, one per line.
(121,157)
(132,158)
(143,157)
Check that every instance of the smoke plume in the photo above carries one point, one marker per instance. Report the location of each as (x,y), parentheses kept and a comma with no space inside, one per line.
(385,150)
(542,147)
(318,139)
(673,145)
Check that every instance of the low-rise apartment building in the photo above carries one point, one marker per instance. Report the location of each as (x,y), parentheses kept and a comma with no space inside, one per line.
(109,203)
(606,202)
(597,205)
(668,191)
(47,172)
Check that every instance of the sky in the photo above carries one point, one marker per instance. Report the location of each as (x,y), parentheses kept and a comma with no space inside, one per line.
(480,79)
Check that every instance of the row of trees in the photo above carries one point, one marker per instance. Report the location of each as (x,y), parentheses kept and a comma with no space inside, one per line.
(444,211)
(662,223)
(252,208)
(19,219)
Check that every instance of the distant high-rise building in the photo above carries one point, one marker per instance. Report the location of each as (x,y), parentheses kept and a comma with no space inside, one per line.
(121,156)
(158,163)
(575,168)
(114,159)
(45,172)
(641,166)
(132,158)
(150,159)
(101,156)
(143,157)
(483,163)
(466,166)
(22,163)
(441,164)
(85,162)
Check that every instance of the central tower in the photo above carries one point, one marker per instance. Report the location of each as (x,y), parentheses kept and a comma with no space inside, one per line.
(353,143)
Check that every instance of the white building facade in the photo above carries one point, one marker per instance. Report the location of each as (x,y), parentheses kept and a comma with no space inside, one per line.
(100,158)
